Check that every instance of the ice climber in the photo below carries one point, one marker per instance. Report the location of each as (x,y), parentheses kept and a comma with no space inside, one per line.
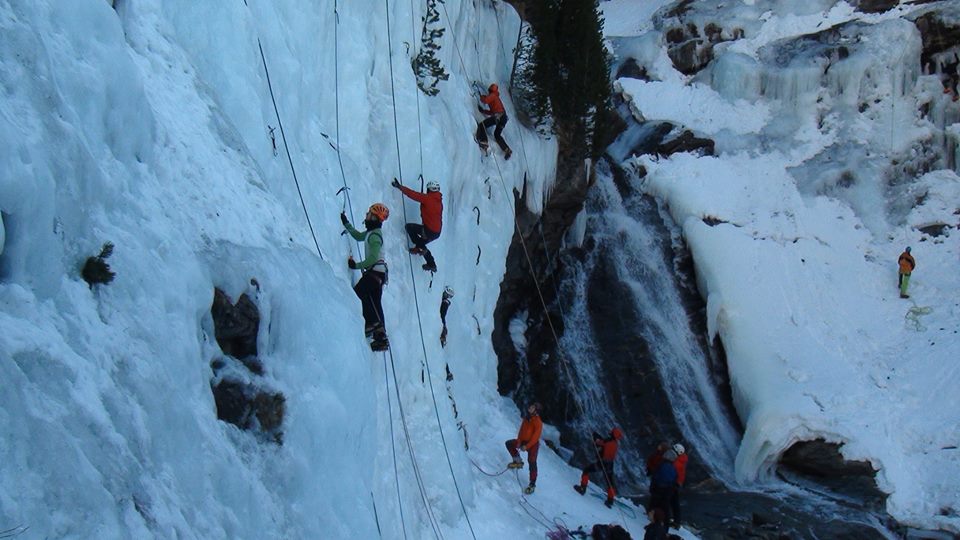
(606,451)
(907,264)
(656,458)
(657,529)
(431,215)
(680,464)
(370,287)
(663,483)
(495,116)
(528,440)
(445,299)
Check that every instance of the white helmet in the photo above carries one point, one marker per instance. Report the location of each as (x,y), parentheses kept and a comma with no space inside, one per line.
(448,290)
(433,185)
(679,449)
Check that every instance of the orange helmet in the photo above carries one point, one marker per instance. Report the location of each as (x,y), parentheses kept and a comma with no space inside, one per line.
(616,433)
(493,88)
(379,210)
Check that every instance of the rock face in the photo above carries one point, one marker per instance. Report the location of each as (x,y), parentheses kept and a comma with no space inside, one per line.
(822,463)
(242,396)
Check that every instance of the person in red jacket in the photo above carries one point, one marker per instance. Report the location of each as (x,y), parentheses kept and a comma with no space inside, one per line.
(606,450)
(528,440)
(680,464)
(656,458)
(495,116)
(431,215)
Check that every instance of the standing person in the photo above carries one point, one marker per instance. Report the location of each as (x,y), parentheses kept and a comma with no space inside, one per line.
(656,458)
(370,287)
(907,264)
(606,451)
(528,440)
(680,464)
(664,483)
(657,529)
(496,115)
(431,215)
(444,306)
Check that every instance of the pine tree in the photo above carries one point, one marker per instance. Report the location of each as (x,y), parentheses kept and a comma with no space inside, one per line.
(426,65)
(563,74)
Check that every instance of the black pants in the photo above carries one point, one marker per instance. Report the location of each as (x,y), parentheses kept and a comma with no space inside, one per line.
(497,120)
(660,497)
(421,236)
(370,289)
(675,505)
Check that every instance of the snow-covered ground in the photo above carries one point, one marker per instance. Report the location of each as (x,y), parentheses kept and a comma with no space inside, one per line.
(801,278)
(149,126)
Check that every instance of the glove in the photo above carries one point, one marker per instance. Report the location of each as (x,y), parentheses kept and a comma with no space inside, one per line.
(395,183)
(343,218)
(351,264)
(523,448)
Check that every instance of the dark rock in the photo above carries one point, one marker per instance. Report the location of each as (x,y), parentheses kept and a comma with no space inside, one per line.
(692,56)
(686,142)
(822,463)
(874,6)
(713,221)
(630,69)
(240,403)
(235,326)
(934,230)
(938,35)
(676,35)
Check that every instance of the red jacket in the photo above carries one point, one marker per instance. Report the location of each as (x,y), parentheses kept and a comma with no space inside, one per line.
(681,465)
(530,429)
(492,100)
(607,448)
(431,207)
(654,461)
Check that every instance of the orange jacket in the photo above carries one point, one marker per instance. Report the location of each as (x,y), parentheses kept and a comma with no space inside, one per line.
(530,429)
(681,465)
(431,207)
(492,100)
(907,264)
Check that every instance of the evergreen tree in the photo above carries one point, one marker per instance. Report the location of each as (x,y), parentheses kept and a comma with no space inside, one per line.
(563,75)
(426,65)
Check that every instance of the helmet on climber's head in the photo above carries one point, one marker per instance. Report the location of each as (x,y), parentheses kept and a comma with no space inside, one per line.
(493,88)
(448,291)
(679,449)
(433,185)
(908,249)
(616,433)
(380,211)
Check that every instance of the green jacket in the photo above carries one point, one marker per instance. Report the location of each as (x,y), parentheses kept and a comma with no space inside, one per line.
(373,243)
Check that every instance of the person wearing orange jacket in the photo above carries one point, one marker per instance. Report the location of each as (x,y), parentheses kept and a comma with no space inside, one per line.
(606,450)
(496,115)
(907,264)
(680,464)
(431,215)
(528,440)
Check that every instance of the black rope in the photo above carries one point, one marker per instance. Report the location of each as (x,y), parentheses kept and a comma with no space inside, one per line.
(479,468)
(436,408)
(286,148)
(376,515)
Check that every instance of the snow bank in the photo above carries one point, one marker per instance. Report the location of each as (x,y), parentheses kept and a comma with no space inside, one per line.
(801,281)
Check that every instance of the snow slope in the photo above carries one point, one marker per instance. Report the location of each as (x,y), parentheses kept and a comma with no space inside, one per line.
(149,126)
(800,278)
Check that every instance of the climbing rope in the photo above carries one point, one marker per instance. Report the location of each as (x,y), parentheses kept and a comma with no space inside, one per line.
(479,468)
(286,147)
(436,408)
(393,448)
(413,34)
(434,523)
(336,92)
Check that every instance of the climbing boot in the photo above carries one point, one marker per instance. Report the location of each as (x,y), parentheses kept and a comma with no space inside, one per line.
(430,267)
(530,489)
(608,503)
(580,489)
(507,153)
(517,463)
